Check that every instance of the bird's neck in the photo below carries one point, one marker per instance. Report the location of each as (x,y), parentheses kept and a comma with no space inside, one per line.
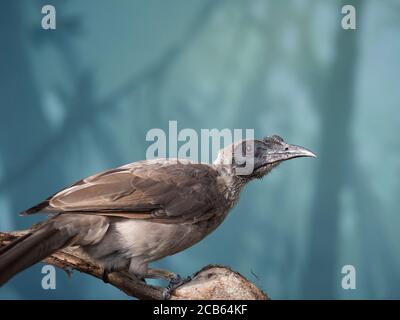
(229,183)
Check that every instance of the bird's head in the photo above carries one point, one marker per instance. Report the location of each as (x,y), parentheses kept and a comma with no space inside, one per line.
(255,158)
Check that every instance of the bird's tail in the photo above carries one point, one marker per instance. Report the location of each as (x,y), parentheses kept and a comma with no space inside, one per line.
(32,248)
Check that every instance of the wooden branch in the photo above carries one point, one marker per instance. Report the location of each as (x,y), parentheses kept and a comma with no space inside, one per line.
(212,282)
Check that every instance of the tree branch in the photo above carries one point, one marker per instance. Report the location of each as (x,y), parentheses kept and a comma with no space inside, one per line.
(212,282)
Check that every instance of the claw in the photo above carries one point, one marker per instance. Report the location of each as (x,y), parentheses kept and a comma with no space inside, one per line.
(174,284)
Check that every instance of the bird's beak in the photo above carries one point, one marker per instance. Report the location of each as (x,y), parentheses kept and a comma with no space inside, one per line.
(289,151)
(294,151)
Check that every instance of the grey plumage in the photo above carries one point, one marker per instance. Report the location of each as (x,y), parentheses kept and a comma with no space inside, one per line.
(127,217)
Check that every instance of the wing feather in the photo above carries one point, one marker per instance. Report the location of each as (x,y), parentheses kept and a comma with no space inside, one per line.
(142,190)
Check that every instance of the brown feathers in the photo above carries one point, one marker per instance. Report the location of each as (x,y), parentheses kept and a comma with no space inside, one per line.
(155,189)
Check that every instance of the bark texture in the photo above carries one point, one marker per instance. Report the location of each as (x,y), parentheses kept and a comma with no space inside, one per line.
(213,282)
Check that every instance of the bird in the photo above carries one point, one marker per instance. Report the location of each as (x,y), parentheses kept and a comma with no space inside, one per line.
(128,217)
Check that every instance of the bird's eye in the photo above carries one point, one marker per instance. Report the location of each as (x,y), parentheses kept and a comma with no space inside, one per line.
(286,149)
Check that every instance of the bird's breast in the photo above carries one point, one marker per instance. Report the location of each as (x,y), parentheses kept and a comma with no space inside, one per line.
(153,241)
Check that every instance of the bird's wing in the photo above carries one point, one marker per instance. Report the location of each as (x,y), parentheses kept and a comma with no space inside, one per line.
(147,190)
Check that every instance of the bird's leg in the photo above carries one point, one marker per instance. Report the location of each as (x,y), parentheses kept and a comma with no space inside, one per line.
(134,275)
(175,280)
(105,276)
(154,273)
(124,272)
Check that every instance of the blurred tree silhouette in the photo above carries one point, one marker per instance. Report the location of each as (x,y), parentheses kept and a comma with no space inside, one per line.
(335,107)
(285,67)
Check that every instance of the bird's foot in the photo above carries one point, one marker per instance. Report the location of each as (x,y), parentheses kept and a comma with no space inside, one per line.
(174,283)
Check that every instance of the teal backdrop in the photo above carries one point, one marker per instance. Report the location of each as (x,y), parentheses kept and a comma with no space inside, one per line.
(80,99)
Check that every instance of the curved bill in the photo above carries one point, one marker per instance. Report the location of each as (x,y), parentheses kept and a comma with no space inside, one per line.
(290,151)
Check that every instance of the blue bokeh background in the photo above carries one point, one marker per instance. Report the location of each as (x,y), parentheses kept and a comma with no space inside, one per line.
(80,99)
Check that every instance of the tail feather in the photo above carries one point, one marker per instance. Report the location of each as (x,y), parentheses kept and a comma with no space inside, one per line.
(30,249)
(39,207)
(13,243)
